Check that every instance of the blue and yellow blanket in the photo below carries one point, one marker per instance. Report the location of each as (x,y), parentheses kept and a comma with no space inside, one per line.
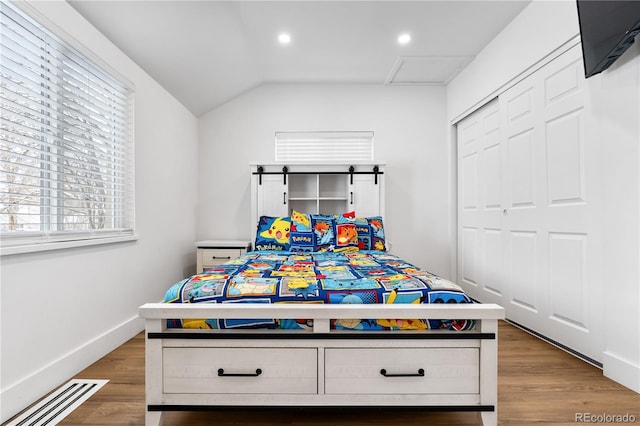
(286,277)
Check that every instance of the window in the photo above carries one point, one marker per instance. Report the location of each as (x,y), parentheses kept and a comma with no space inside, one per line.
(66,150)
(324,146)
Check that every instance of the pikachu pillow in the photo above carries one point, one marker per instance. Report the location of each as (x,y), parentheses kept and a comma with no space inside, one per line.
(273,233)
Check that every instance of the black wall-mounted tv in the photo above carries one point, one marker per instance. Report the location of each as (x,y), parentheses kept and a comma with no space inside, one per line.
(607,29)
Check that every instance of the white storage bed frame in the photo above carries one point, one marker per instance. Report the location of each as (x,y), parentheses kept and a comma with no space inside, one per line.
(428,369)
(190,370)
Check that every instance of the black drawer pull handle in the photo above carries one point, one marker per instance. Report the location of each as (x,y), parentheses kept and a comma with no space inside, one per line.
(420,373)
(221,257)
(256,374)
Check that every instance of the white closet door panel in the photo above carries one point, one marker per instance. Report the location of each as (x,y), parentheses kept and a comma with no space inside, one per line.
(490,161)
(469,259)
(492,177)
(479,200)
(494,282)
(521,170)
(575,285)
(565,160)
(470,182)
(519,105)
(567,279)
(563,83)
(468,131)
(524,270)
(535,231)
(491,127)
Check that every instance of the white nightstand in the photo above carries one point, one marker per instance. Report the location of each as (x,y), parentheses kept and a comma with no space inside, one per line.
(216,252)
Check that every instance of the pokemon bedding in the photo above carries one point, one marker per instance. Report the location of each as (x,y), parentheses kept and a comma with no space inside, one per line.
(284,276)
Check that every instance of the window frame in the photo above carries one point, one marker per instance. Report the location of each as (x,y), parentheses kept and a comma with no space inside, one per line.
(122,203)
(324,146)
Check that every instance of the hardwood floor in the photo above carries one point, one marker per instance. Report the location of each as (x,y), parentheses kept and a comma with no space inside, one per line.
(537,383)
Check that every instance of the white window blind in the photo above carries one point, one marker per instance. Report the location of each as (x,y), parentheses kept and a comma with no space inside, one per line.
(66,151)
(324,146)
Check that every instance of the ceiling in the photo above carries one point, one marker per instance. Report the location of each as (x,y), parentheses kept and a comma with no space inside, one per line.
(208,52)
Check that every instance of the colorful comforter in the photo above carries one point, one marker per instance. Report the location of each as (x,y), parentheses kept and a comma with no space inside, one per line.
(286,277)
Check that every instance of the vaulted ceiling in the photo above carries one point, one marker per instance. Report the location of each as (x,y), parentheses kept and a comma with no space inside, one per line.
(208,52)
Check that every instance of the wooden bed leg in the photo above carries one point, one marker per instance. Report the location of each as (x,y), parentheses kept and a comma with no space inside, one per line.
(153,418)
(489,372)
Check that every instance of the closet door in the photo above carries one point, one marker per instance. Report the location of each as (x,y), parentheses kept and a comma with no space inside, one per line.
(480,188)
(537,250)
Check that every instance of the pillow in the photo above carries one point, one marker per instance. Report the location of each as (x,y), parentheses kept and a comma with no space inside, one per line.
(273,233)
(364,233)
(348,215)
(371,233)
(346,232)
(302,237)
(322,228)
(300,222)
(378,241)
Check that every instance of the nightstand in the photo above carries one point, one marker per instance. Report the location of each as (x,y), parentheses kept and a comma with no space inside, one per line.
(216,252)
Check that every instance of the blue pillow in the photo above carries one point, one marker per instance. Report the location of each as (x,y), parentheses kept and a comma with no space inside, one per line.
(371,233)
(273,233)
(364,233)
(378,240)
(346,233)
(302,236)
(324,237)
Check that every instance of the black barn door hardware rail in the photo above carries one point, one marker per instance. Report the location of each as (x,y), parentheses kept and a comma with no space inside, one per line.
(351,171)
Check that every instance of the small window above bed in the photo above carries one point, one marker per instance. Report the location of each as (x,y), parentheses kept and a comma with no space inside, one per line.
(327,146)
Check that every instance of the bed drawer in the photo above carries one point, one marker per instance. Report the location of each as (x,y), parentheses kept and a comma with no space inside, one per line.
(402,370)
(240,370)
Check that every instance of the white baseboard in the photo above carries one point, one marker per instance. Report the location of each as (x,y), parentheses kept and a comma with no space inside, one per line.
(622,371)
(21,395)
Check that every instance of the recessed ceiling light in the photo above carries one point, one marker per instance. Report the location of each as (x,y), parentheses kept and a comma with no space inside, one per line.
(404,38)
(284,38)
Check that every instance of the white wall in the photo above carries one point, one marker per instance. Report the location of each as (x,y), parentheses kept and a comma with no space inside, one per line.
(616,100)
(62,310)
(410,136)
(539,29)
(542,29)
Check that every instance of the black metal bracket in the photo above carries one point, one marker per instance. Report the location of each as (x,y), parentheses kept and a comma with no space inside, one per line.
(351,170)
(260,171)
(284,173)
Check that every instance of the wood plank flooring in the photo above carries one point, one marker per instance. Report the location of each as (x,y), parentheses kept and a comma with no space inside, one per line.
(537,383)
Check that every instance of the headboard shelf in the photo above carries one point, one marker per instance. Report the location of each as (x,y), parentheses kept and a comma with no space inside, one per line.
(324,188)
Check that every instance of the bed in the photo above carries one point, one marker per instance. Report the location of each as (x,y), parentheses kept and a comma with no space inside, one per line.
(322,324)
(320,314)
